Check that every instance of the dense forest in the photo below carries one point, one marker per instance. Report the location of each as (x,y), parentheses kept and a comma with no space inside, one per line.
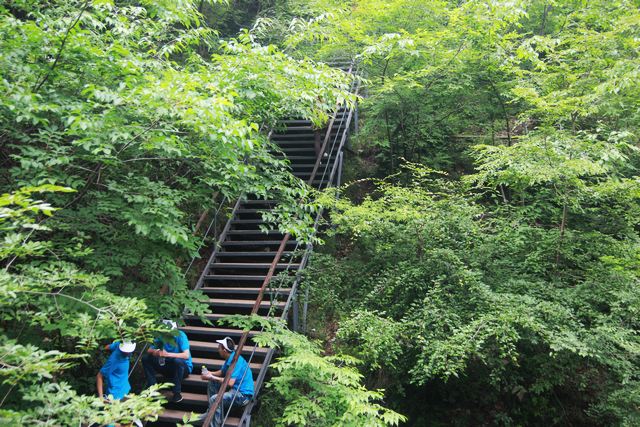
(480,265)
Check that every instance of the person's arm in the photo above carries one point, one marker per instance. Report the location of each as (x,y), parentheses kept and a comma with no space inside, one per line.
(212,376)
(154,349)
(183,355)
(217,376)
(100,384)
(183,345)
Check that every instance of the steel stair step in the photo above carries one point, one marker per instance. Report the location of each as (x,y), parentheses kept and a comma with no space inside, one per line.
(289,145)
(252,254)
(232,277)
(197,381)
(254,265)
(190,398)
(207,330)
(295,128)
(257,242)
(287,150)
(215,364)
(310,137)
(301,138)
(242,232)
(243,303)
(213,346)
(247,221)
(310,166)
(238,290)
(251,211)
(302,158)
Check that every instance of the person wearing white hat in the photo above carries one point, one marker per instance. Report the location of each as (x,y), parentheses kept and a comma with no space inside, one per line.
(170,358)
(241,381)
(115,371)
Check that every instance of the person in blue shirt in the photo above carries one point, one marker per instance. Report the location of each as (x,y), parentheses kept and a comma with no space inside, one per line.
(115,371)
(241,381)
(170,358)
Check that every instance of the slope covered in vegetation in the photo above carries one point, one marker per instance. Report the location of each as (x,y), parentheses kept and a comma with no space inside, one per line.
(483,262)
(491,278)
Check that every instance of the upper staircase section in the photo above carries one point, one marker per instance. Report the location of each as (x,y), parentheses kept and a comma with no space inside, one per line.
(237,270)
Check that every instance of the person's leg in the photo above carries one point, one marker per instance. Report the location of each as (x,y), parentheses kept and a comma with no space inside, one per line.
(178,371)
(212,389)
(151,367)
(229,399)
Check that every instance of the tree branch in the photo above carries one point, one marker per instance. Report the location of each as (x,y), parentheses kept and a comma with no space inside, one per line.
(64,42)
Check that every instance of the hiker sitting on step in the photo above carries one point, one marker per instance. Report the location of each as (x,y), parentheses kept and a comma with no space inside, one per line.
(240,384)
(172,359)
(115,371)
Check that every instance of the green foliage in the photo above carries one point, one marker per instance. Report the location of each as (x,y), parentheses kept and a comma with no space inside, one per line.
(512,289)
(444,75)
(321,390)
(378,340)
(489,299)
(506,297)
(57,305)
(127,116)
(58,404)
(118,104)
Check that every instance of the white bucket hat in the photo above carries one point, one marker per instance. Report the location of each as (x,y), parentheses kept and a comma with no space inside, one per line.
(127,346)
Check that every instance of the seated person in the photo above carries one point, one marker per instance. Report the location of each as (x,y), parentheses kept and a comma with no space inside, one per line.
(172,359)
(240,384)
(115,371)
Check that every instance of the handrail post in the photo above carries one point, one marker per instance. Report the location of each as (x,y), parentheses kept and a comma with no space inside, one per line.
(294,315)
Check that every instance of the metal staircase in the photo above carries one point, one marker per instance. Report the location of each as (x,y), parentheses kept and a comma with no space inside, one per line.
(249,259)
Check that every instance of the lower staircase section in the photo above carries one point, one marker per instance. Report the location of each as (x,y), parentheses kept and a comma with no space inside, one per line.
(238,267)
